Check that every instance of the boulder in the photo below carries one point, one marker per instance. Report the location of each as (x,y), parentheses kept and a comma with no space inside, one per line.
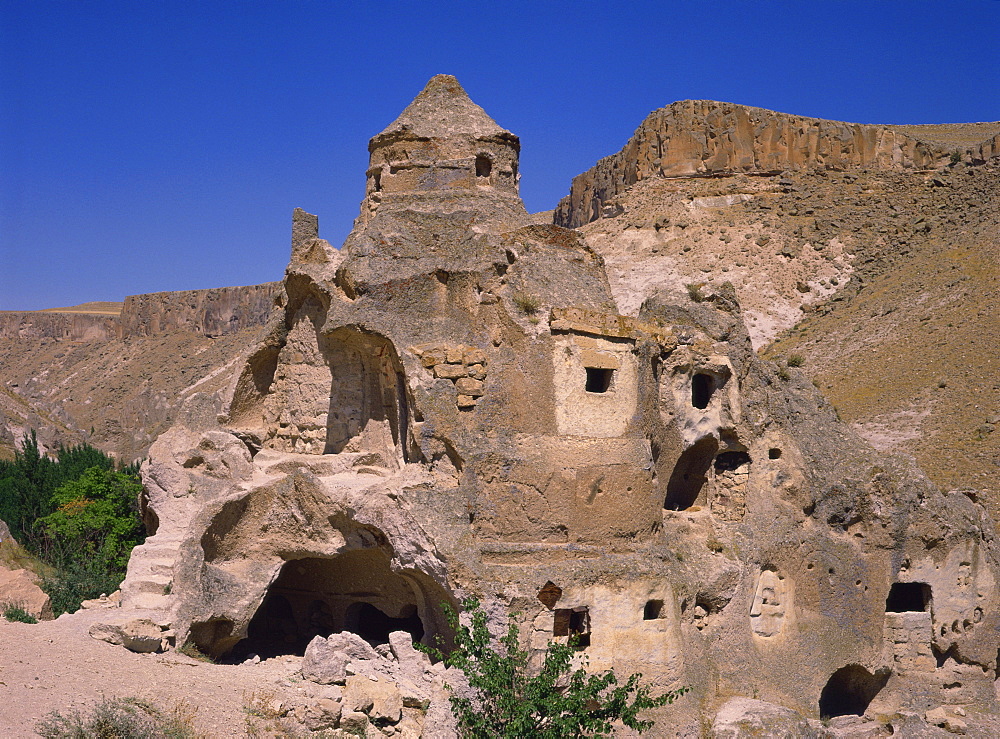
(325,660)
(381,700)
(355,722)
(324,713)
(18,587)
(137,634)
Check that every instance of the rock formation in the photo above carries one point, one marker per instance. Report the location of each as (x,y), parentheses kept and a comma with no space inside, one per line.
(451,405)
(113,379)
(18,585)
(704,138)
(212,312)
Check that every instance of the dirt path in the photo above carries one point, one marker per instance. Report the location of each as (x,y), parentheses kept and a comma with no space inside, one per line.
(56,665)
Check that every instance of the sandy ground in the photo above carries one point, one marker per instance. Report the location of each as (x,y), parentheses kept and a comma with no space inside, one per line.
(57,666)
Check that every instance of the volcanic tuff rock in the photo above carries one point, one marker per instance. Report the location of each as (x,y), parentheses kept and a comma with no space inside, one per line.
(706,138)
(452,405)
(865,274)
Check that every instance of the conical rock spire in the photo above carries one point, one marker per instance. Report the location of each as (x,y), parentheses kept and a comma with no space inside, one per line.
(442,109)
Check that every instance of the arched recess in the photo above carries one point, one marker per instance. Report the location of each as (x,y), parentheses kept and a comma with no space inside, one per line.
(368,406)
(326,393)
(690,474)
(355,591)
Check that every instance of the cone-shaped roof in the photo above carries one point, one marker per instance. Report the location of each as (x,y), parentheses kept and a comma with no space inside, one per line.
(442,109)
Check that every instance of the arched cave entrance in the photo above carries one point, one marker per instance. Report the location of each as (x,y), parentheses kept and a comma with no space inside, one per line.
(355,591)
(690,475)
(850,690)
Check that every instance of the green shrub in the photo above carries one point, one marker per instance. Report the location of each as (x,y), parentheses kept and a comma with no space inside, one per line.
(120,718)
(796,360)
(96,517)
(27,484)
(510,700)
(16,612)
(77,581)
(190,649)
(526,303)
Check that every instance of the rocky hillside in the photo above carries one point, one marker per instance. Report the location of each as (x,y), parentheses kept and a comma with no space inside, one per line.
(881,276)
(116,381)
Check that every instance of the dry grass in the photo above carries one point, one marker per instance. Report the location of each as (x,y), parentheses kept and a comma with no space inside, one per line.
(526,303)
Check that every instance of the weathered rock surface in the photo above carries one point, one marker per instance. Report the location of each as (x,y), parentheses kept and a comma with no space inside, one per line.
(212,312)
(59,326)
(708,138)
(136,635)
(325,660)
(862,274)
(20,588)
(741,718)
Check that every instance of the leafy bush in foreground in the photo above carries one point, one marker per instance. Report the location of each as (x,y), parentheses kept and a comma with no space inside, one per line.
(509,700)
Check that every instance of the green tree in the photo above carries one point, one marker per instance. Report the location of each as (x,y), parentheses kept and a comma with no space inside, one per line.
(28,483)
(511,701)
(96,516)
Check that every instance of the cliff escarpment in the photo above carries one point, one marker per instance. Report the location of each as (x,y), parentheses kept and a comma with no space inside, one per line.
(211,312)
(704,138)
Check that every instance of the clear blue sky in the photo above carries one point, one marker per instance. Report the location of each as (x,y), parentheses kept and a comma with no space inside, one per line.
(153,145)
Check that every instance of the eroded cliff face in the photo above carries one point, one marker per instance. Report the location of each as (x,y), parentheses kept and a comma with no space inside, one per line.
(452,405)
(212,312)
(704,138)
(862,274)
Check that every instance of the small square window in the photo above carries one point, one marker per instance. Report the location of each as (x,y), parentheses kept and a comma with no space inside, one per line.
(599,379)
(653,610)
(572,622)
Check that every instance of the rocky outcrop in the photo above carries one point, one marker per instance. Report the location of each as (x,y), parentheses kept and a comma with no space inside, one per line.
(704,138)
(59,326)
(211,312)
(984,152)
(19,588)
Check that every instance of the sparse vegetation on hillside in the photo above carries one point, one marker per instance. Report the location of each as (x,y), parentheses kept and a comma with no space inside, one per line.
(77,514)
(526,303)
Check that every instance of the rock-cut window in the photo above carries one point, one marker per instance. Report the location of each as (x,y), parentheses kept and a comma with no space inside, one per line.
(599,379)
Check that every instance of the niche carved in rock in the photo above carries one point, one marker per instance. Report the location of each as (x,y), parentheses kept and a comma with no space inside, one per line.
(770,604)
